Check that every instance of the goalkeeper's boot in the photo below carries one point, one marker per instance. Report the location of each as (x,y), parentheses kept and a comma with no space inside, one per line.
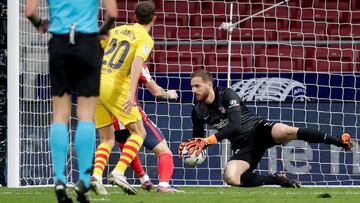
(120,180)
(346,141)
(147,185)
(82,192)
(97,186)
(61,192)
(284,180)
(168,189)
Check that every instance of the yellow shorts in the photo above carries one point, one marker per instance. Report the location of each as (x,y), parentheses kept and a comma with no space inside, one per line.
(110,103)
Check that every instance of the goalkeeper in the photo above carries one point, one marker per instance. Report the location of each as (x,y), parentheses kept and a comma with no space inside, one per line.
(249,134)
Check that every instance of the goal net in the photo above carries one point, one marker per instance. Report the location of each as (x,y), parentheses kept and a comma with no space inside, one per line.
(297,63)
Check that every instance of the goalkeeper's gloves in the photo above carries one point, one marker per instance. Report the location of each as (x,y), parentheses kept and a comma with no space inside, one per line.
(181,147)
(198,144)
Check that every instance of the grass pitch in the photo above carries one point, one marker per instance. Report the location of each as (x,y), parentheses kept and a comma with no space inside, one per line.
(198,195)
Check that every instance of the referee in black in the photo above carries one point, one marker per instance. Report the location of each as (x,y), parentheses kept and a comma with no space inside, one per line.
(75,62)
(249,134)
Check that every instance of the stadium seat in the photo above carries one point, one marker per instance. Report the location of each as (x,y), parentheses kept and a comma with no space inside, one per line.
(334,60)
(208,20)
(190,48)
(247,34)
(182,7)
(334,4)
(282,12)
(174,61)
(239,62)
(205,33)
(126,5)
(278,64)
(171,19)
(268,23)
(125,17)
(221,7)
(297,36)
(282,58)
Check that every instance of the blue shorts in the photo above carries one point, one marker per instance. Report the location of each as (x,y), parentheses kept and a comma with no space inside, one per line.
(153,134)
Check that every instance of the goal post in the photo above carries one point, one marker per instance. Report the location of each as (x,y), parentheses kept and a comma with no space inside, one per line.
(13,145)
(297,63)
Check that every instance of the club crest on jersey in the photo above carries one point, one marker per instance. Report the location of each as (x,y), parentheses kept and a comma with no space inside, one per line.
(146,49)
(222,109)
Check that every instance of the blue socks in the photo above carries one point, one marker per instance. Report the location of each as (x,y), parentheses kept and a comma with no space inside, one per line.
(59,142)
(85,147)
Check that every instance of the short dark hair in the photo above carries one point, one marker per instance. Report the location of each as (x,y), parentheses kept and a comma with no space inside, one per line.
(203,74)
(145,11)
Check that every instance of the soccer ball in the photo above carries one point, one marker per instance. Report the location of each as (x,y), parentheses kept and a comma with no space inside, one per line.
(193,160)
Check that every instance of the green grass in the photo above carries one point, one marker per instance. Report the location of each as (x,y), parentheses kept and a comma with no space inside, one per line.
(199,195)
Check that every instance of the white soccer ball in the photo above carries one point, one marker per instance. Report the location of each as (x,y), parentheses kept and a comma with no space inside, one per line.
(193,160)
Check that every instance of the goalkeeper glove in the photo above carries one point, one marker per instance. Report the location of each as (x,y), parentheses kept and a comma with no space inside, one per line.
(199,144)
(181,147)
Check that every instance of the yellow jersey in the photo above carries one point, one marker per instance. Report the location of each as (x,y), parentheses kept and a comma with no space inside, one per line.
(124,43)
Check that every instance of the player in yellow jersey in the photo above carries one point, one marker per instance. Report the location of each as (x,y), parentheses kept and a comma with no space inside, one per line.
(127,48)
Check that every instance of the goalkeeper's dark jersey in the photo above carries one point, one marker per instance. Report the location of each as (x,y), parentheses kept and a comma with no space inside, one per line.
(227,114)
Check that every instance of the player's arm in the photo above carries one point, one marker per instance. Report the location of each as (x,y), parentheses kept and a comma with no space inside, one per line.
(198,125)
(159,92)
(111,15)
(198,131)
(153,87)
(31,13)
(231,102)
(136,67)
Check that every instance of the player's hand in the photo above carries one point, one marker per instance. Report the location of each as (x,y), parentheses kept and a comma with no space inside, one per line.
(103,41)
(196,144)
(43,27)
(129,103)
(172,94)
(181,147)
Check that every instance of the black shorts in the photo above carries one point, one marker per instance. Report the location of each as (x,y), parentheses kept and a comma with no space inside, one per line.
(75,69)
(255,145)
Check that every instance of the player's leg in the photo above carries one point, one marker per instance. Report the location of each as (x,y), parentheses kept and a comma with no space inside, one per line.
(59,134)
(86,84)
(238,173)
(282,133)
(156,142)
(85,136)
(103,120)
(130,150)
(121,137)
(131,146)
(59,142)
(165,166)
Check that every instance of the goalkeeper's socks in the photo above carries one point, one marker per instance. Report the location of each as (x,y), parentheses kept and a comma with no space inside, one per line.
(254,180)
(59,142)
(165,166)
(128,154)
(315,136)
(84,142)
(135,164)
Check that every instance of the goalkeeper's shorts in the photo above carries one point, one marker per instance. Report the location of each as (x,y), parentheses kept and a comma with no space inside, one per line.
(257,143)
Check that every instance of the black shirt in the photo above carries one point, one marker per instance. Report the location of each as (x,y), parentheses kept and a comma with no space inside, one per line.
(227,114)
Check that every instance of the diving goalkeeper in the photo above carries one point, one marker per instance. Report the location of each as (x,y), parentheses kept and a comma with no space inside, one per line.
(249,134)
